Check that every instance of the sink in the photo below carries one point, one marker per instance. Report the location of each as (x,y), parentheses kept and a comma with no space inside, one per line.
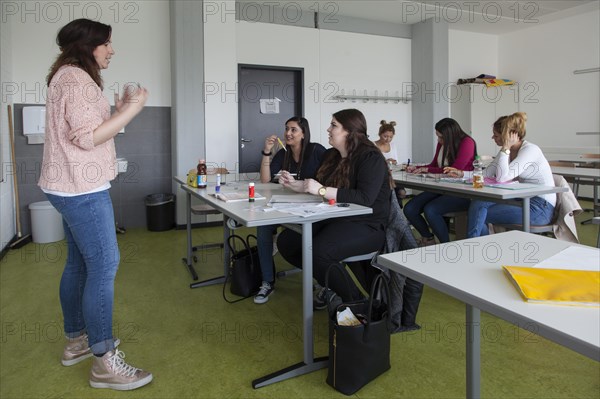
(121,165)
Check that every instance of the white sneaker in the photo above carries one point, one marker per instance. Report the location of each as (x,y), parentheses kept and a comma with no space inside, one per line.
(111,371)
(266,289)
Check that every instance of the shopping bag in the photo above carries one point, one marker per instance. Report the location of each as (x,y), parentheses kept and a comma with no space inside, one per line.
(244,267)
(360,353)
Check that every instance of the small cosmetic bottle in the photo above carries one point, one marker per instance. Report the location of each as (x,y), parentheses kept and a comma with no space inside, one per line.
(251,192)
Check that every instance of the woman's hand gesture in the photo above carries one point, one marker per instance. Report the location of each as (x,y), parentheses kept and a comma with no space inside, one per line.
(270,143)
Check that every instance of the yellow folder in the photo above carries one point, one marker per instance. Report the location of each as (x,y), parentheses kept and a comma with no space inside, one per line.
(556,286)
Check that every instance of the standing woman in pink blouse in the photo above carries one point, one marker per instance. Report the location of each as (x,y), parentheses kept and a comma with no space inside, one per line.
(78,165)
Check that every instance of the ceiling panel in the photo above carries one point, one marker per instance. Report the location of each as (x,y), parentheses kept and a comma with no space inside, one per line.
(484,16)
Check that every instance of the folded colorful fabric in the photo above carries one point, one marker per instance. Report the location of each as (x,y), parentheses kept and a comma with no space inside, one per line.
(498,82)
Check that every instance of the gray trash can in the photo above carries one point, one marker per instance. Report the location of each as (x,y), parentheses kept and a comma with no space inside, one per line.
(46,223)
(160,212)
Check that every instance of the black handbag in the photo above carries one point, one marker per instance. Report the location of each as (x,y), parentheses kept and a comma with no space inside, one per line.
(244,268)
(359,354)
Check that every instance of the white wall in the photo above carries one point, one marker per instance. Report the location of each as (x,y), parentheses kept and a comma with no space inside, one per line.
(471,54)
(558,103)
(140,39)
(7,216)
(371,63)
(220,77)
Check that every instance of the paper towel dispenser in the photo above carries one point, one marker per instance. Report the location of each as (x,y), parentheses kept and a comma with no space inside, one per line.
(34,124)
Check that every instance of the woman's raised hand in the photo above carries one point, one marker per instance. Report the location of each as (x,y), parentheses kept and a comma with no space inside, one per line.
(270,143)
(133,96)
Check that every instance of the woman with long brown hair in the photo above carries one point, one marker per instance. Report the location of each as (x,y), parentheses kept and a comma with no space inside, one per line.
(77,167)
(299,157)
(426,211)
(355,171)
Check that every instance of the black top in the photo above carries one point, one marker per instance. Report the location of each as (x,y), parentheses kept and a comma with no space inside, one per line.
(369,186)
(312,160)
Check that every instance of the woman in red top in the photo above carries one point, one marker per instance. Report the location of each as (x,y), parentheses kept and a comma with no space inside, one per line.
(456,149)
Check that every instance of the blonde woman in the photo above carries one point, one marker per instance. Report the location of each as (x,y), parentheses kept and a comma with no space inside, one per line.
(520,160)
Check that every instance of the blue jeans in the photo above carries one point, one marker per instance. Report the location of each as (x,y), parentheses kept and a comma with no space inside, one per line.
(483,212)
(433,206)
(87,283)
(264,239)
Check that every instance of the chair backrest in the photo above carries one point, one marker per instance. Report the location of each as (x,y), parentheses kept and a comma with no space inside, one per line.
(563,224)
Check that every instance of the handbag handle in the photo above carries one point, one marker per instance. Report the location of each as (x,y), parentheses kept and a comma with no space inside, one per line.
(248,237)
(232,245)
(378,281)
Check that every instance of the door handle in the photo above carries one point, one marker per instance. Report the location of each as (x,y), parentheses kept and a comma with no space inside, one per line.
(243,140)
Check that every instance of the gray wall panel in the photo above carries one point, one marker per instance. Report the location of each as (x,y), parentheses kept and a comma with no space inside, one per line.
(146,144)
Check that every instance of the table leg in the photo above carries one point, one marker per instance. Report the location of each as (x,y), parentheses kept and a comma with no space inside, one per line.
(526,218)
(309,364)
(473,316)
(188,260)
(220,279)
(596,204)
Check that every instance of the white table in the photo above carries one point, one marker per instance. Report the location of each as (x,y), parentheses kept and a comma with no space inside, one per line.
(251,214)
(471,271)
(517,197)
(575,158)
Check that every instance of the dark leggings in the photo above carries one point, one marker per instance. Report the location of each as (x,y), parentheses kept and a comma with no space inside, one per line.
(333,241)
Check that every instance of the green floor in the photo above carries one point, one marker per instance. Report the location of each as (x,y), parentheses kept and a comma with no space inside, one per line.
(199,346)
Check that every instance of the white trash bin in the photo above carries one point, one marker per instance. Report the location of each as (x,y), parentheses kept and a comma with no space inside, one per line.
(46,223)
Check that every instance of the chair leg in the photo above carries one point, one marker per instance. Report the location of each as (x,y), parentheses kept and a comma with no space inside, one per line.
(285,273)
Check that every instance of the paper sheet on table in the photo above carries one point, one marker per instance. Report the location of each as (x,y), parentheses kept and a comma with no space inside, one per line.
(573,258)
(295,199)
(306,210)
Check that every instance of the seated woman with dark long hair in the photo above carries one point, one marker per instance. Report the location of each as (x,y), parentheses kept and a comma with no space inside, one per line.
(354,171)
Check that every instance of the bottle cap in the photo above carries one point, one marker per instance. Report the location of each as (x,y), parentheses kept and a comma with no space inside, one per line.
(251,184)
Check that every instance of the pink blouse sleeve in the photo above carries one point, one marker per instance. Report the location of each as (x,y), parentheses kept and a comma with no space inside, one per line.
(83,109)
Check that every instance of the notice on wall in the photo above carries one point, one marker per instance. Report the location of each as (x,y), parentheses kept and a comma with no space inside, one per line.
(269,105)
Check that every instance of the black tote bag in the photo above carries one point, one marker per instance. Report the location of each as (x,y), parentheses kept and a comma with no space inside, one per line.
(244,268)
(359,354)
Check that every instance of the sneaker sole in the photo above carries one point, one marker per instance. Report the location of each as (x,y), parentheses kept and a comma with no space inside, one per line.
(73,362)
(79,359)
(122,387)
(263,300)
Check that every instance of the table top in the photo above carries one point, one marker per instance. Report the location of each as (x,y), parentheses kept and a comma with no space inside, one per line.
(417,181)
(593,173)
(577,158)
(471,271)
(252,214)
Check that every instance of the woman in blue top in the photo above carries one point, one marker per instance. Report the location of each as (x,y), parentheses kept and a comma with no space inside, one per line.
(300,157)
